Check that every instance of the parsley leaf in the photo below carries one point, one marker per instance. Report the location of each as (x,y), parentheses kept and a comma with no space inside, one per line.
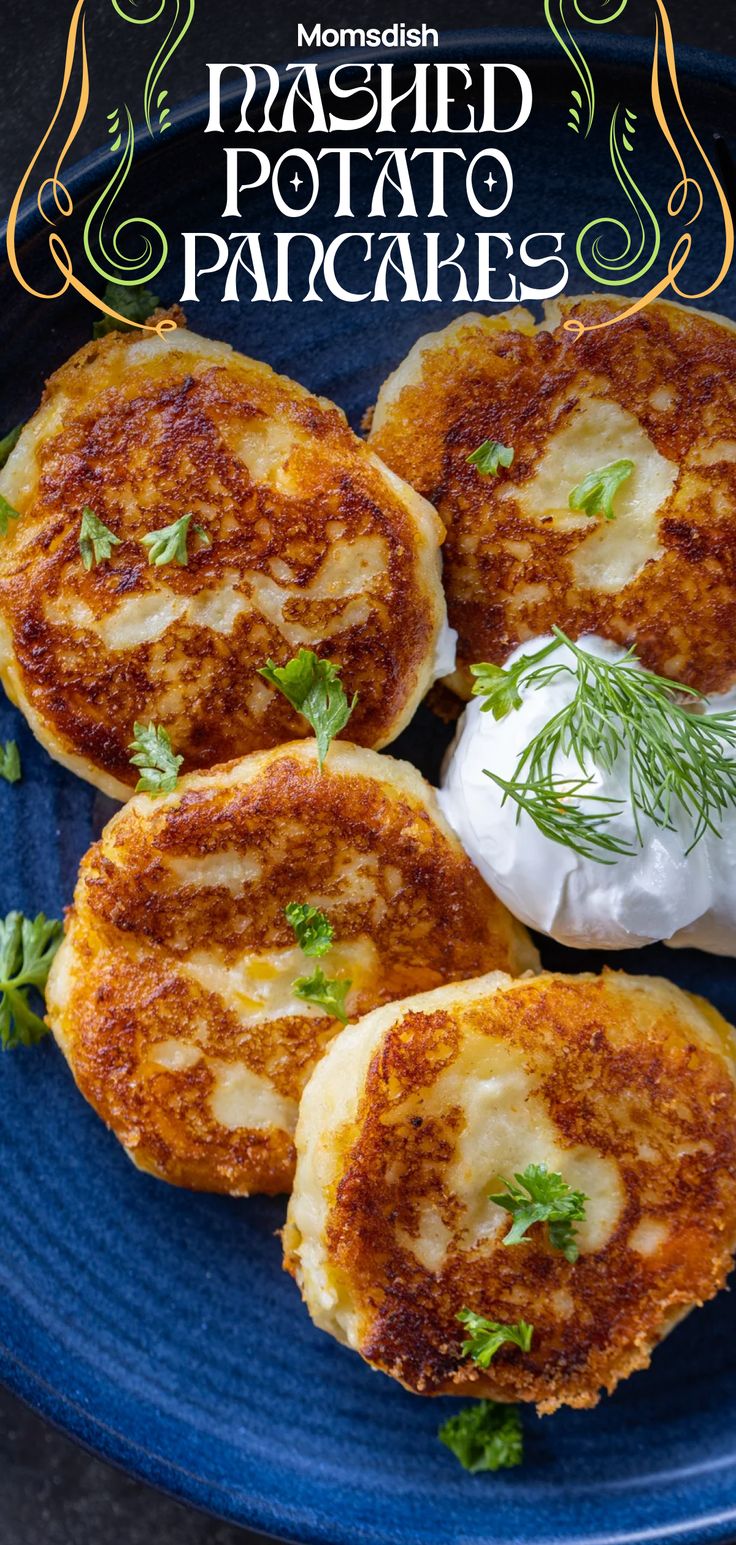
(96,541)
(27,948)
(155,757)
(486,1336)
(329,992)
(489,456)
(314,689)
(597,491)
(485,1436)
(6,513)
(312,929)
(169,543)
(9,762)
(9,442)
(542,1196)
(130,301)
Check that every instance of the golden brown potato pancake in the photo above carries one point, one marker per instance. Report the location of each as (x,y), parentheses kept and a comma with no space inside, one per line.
(312,543)
(625,1086)
(657,389)
(173,993)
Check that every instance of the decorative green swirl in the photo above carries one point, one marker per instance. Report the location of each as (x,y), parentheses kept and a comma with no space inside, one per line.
(177,30)
(628,265)
(559,26)
(108,254)
(113,263)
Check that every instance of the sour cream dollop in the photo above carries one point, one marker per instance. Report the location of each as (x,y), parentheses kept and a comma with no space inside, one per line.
(660,893)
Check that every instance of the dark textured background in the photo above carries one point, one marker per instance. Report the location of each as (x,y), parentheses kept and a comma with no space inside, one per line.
(51,1492)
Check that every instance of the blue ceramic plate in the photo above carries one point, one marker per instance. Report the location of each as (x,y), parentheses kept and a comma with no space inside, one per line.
(158,1327)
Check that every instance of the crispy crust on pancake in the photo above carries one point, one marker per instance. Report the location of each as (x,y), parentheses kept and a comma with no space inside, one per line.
(149,997)
(509,576)
(312,543)
(637,1081)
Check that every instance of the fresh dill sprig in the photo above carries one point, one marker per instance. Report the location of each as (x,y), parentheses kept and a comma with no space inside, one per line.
(676,754)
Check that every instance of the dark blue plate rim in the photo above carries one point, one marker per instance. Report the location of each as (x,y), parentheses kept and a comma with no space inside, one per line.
(91,1432)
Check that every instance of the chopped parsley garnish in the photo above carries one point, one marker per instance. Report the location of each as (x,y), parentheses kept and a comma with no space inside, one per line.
(542,1196)
(9,442)
(169,544)
(313,930)
(596,493)
(96,541)
(485,1436)
(489,456)
(6,513)
(154,756)
(314,689)
(9,762)
(130,301)
(329,992)
(618,711)
(486,1336)
(27,948)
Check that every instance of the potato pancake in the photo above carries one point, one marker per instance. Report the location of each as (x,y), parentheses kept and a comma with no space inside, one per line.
(623,1086)
(173,995)
(298,537)
(655,392)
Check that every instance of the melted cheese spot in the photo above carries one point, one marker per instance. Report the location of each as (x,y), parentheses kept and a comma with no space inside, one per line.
(242,1098)
(648,1235)
(592,437)
(230,870)
(175,1055)
(430,1245)
(507,1127)
(261,987)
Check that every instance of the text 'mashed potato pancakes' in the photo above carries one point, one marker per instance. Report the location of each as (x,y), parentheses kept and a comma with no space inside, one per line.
(299,538)
(173,995)
(625,1087)
(655,392)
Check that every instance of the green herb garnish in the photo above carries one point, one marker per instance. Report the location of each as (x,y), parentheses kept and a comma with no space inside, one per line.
(485,1436)
(130,301)
(154,756)
(10,762)
(314,689)
(596,493)
(312,929)
(617,710)
(329,993)
(489,456)
(486,1336)
(542,1196)
(96,541)
(169,544)
(7,513)
(9,442)
(27,948)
